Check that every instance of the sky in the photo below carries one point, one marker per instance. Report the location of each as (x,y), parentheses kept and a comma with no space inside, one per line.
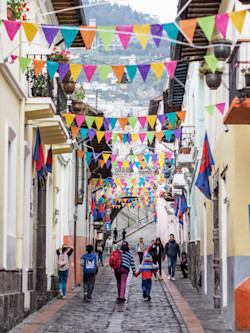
(165,9)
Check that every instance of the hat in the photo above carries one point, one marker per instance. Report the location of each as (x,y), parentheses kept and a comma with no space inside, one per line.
(148,257)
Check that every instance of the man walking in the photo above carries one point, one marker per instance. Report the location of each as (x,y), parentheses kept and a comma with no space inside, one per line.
(109,245)
(171,250)
(115,234)
(124,235)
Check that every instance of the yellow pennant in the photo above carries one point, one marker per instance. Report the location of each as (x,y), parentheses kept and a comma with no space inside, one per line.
(161,156)
(125,164)
(151,120)
(238,19)
(157,68)
(99,135)
(30,30)
(69,118)
(75,71)
(117,181)
(98,122)
(135,137)
(161,162)
(144,30)
(105,157)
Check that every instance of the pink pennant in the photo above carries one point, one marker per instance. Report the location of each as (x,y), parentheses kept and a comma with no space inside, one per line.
(221,107)
(89,71)
(79,119)
(169,156)
(113,157)
(155,163)
(122,180)
(125,38)
(108,136)
(221,22)
(13,57)
(142,137)
(120,164)
(12,27)
(142,121)
(171,66)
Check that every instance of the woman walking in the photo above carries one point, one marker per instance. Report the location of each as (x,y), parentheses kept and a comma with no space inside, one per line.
(140,249)
(63,267)
(156,253)
(121,273)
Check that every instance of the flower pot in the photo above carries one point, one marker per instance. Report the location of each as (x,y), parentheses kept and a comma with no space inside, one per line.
(213,80)
(77,106)
(37,91)
(67,77)
(245,2)
(222,50)
(69,87)
(10,14)
(60,60)
(186,150)
(247,79)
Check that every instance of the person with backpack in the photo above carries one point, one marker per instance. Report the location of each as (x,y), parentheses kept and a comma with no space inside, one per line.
(140,249)
(121,260)
(99,248)
(90,269)
(63,267)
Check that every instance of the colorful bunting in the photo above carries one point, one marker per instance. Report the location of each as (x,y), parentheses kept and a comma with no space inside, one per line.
(30,30)
(88,35)
(106,36)
(24,63)
(12,27)
(89,71)
(69,118)
(142,30)
(221,22)
(207,24)
(238,19)
(92,134)
(74,131)
(75,70)
(84,132)
(104,71)
(98,122)
(144,70)
(69,33)
(171,30)
(50,33)
(80,154)
(158,69)
(188,28)
(99,135)
(131,70)
(38,66)
(79,119)
(157,30)
(171,66)
(63,70)
(123,122)
(221,107)
(124,38)
(118,71)
(151,120)
(89,121)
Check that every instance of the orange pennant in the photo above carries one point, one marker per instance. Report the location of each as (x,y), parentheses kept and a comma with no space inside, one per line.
(143,164)
(120,136)
(140,158)
(38,66)
(181,115)
(188,27)
(118,70)
(101,180)
(123,122)
(74,131)
(159,135)
(101,163)
(88,35)
(80,154)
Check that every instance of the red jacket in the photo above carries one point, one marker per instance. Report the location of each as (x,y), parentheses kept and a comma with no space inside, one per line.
(147,269)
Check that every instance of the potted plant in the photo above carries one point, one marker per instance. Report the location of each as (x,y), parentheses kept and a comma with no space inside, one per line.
(189,143)
(213,80)
(246,71)
(77,100)
(17,10)
(222,48)
(39,84)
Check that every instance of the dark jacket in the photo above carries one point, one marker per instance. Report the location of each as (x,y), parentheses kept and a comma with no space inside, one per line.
(171,250)
(89,263)
(98,243)
(159,250)
(152,252)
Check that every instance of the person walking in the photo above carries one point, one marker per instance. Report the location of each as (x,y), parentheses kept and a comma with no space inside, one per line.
(90,269)
(124,235)
(155,216)
(99,248)
(147,269)
(140,249)
(156,252)
(63,254)
(109,245)
(183,265)
(121,273)
(171,250)
(115,234)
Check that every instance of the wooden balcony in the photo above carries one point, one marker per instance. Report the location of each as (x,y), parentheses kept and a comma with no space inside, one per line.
(238,113)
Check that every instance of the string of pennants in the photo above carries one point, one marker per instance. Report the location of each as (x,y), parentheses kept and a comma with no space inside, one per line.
(186,27)
(132,121)
(123,182)
(211,108)
(134,202)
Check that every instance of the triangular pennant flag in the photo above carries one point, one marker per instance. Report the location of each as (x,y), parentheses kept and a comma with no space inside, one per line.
(132,158)
(161,156)
(221,22)
(207,24)
(123,122)
(168,135)
(30,30)
(124,38)
(156,30)
(142,137)
(105,157)
(84,132)
(118,71)
(150,136)
(63,70)
(132,121)
(106,123)
(159,136)
(151,120)
(69,33)
(221,107)
(140,157)
(11,27)
(131,70)
(89,71)
(88,35)
(69,118)
(161,118)
(108,163)
(114,137)
(169,156)
(155,163)
(144,70)
(212,61)
(171,117)
(108,136)
(120,136)
(75,70)
(113,157)
(106,36)
(171,66)
(142,121)
(96,156)
(188,27)
(24,63)
(177,133)
(79,119)
(157,68)
(135,137)
(114,164)
(38,66)
(101,163)
(143,164)
(125,164)
(210,109)
(181,115)
(238,19)
(104,71)
(147,157)
(80,154)
(124,140)
(89,121)
(52,68)
(100,135)
(171,30)
(120,164)
(74,131)
(142,30)
(92,134)
(98,122)
(113,122)
(50,33)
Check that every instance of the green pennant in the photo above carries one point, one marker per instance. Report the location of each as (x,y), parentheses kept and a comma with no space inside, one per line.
(211,60)
(103,71)
(89,121)
(24,63)
(113,164)
(150,163)
(207,25)
(132,158)
(95,181)
(0,22)
(150,136)
(106,36)
(158,177)
(132,121)
(210,109)
(119,206)
(114,136)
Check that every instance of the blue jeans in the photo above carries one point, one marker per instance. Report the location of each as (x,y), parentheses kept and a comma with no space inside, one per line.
(146,286)
(100,257)
(171,264)
(63,277)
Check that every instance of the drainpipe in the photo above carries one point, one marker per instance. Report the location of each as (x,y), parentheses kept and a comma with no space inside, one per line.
(54,219)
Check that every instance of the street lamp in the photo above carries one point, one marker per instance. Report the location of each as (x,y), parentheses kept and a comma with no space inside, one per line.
(124,81)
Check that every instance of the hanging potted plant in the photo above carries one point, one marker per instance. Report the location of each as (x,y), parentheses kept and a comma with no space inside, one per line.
(69,86)
(17,10)
(63,57)
(38,84)
(189,143)
(213,80)
(222,48)
(77,100)
(246,71)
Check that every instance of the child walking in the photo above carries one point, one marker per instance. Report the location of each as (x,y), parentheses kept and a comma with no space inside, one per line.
(147,269)
(90,269)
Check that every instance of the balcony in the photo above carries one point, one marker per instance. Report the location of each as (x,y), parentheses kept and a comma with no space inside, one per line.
(179,183)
